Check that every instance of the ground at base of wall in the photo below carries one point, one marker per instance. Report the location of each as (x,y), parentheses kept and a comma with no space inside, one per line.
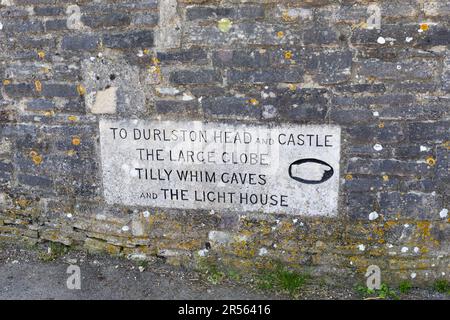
(24,274)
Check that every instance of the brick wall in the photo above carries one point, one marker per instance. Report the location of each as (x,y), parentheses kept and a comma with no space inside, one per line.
(66,64)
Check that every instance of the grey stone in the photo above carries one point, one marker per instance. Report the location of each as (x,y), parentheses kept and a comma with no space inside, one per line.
(80,42)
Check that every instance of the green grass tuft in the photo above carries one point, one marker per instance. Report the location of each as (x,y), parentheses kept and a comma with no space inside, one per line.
(442,286)
(281,279)
(405,287)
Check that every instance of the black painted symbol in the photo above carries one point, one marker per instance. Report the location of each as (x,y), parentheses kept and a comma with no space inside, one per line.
(314,171)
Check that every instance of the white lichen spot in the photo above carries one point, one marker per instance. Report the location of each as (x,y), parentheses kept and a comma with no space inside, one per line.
(224,25)
(212,212)
(378,147)
(399,67)
(409,39)
(125,228)
(424,149)
(1,26)
(376,114)
(444,213)
(361,247)
(146,214)
(170,91)
(69,215)
(413,275)
(405,249)
(100,217)
(381,40)
(262,251)
(373,215)
(202,252)
(187,97)
(294,221)
(416,249)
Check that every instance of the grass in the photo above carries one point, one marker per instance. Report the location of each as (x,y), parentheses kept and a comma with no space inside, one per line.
(281,279)
(55,250)
(214,275)
(405,287)
(385,292)
(442,286)
(211,271)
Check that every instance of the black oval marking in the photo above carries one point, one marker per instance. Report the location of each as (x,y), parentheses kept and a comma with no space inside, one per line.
(327,175)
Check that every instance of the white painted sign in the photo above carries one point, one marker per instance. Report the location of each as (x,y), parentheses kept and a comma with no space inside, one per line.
(239,167)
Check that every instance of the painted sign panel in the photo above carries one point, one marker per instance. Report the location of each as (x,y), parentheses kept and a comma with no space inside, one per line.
(239,167)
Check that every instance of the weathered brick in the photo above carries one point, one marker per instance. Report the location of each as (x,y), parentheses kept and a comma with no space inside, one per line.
(129,40)
(350,115)
(389,167)
(368,100)
(40,105)
(371,184)
(59,90)
(413,112)
(423,69)
(437,36)
(145,19)
(35,181)
(334,67)
(411,205)
(195,77)
(321,35)
(49,11)
(302,113)
(6,169)
(387,133)
(429,131)
(20,90)
(435,8)
(241,58)
(56,25)
(446,74)
(107,20)
(361,204)
(292,74)
(80,42)
(230,106)
(361,88)
(28,26)
(176,107)
(197,12)
(192,55)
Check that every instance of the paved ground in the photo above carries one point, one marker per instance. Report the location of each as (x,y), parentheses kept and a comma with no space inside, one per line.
(24,275)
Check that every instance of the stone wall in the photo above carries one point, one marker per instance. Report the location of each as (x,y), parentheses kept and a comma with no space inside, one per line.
(66,64)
